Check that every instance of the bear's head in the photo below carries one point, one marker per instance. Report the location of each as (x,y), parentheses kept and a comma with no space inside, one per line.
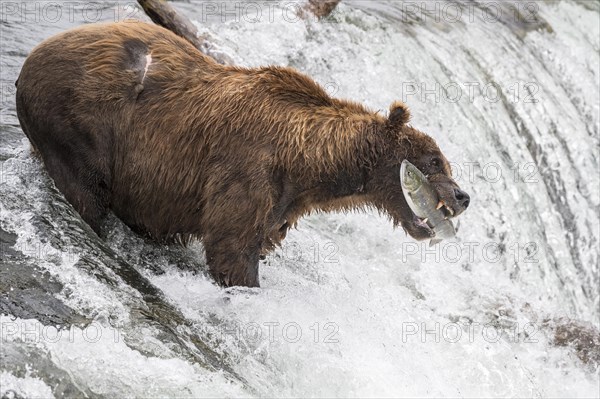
(401,142)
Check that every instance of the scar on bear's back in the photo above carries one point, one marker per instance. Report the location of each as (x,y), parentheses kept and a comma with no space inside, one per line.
(137,58)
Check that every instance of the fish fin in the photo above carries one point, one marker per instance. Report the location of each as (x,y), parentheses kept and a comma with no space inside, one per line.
(434,241)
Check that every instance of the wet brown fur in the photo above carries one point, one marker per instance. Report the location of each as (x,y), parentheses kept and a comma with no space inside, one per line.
(192,149)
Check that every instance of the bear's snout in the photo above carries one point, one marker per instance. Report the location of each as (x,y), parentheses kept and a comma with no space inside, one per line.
(462,198)
(453,200)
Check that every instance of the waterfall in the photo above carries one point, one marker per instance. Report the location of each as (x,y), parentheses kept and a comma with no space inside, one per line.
(348,306)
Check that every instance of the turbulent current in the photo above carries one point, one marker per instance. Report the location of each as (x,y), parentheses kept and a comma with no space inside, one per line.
(348,306)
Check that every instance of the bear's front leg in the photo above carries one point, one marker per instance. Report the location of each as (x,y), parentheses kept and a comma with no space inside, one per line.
(235,223)
(233,260)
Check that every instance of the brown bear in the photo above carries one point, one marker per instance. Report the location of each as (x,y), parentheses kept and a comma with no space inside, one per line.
(130,117)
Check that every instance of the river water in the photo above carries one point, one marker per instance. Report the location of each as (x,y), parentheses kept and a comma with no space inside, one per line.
(348,306)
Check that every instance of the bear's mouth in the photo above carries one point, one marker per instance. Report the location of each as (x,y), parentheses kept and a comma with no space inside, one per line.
(424,228)
(424,223)
(447,211)
(420,229)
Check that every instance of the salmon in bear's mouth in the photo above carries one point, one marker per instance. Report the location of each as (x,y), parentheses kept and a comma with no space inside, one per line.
(430,210)
(446,211)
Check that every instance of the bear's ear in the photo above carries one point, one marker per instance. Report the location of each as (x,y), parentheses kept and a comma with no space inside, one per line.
(399,113)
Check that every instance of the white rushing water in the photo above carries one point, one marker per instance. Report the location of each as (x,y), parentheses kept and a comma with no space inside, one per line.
(350,307)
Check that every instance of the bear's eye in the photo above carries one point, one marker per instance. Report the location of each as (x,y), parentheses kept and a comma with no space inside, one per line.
(436,163)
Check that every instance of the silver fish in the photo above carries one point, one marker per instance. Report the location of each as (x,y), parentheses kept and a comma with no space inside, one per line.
(423,201)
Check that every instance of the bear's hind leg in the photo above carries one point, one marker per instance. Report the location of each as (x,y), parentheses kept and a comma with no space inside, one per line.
(76,149)
(78,163)
(83,185)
